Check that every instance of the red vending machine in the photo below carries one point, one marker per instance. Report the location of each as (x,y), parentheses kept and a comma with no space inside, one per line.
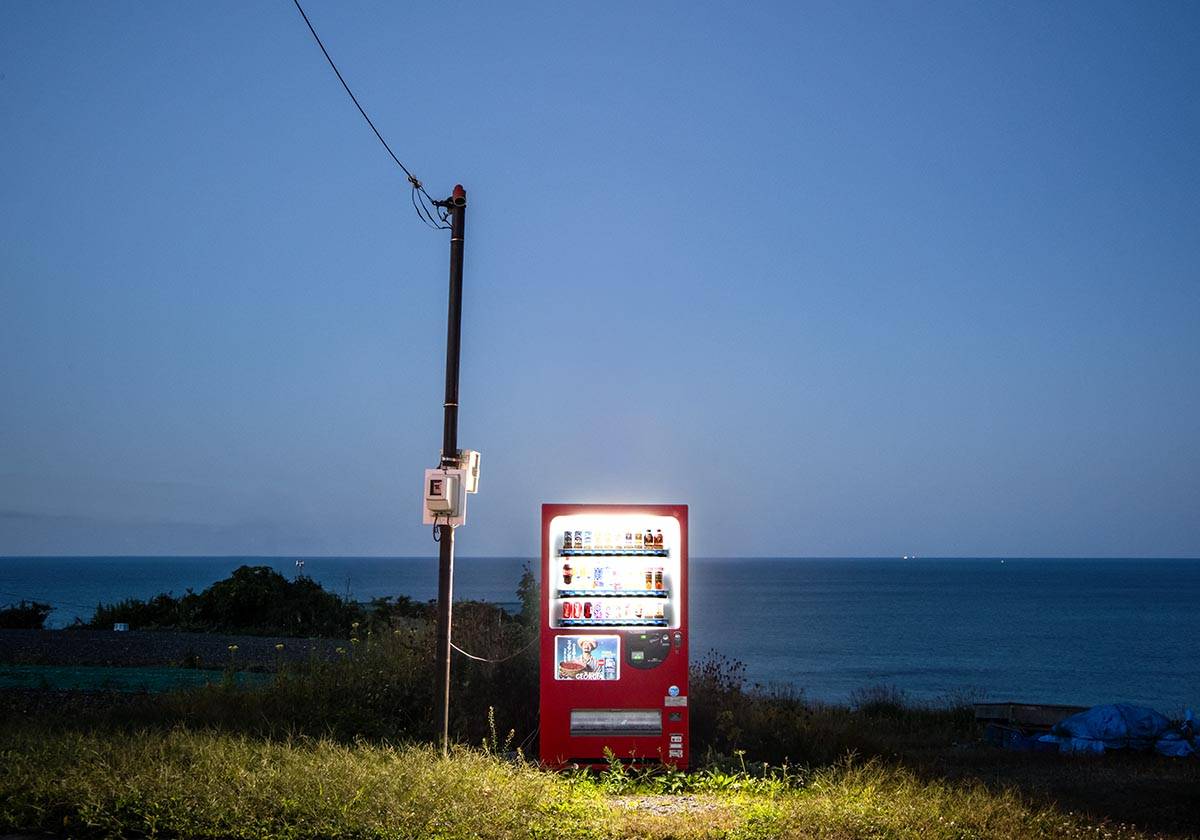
(614,634)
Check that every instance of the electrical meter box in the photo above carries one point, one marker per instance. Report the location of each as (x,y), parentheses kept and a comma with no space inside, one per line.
(445,501)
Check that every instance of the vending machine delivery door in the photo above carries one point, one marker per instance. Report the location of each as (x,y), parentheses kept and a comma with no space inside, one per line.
(616,722)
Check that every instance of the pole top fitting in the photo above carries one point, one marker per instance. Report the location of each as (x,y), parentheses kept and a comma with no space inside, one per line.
(458,198)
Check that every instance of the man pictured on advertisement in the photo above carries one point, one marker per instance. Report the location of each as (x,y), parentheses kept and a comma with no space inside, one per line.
(587,660)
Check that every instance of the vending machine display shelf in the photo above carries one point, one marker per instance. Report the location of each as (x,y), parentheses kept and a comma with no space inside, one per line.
(613,622)
(614,593)
(615,552)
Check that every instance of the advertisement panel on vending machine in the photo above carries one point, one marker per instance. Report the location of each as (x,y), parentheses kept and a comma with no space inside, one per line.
(614,634)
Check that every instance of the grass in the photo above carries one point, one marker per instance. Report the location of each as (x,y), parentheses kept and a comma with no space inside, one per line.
(187,783)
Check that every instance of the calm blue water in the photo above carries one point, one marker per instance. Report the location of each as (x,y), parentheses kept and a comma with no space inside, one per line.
(1066,631)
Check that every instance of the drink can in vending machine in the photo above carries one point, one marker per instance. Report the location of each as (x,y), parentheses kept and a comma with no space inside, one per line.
(610,668)
(587,609)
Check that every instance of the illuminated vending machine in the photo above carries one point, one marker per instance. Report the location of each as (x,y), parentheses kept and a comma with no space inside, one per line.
(614,625)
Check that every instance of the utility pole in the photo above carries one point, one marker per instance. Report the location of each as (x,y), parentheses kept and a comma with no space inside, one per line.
(457,204)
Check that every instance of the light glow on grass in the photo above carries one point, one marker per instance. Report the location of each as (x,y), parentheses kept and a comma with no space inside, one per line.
(188,783)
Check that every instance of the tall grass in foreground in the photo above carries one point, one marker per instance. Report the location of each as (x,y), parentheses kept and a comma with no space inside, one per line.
(184,783)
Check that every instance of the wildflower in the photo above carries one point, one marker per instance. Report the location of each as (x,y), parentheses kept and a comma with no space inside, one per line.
(354,626)
(354,641)
(341,650)
(233,648)
(279,646)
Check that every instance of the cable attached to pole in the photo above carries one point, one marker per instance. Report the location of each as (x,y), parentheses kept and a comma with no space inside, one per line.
(504,659)
(417,187)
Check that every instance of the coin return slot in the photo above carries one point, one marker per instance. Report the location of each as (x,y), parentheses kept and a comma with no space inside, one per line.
(616,722)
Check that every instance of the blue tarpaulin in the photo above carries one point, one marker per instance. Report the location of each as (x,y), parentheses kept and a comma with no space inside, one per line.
(1123,727)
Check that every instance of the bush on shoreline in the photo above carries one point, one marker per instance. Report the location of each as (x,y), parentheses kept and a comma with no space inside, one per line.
(257,601)
(26,615)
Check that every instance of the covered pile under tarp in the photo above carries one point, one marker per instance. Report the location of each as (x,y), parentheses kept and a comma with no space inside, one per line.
(1124,727)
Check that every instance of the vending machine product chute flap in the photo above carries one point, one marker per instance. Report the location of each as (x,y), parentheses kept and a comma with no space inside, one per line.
(618,722)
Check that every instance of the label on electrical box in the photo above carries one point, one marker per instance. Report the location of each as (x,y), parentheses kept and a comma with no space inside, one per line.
(675,701)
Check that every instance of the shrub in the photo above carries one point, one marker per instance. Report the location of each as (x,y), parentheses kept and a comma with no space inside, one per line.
(880,701)
(26,615)
(255,600)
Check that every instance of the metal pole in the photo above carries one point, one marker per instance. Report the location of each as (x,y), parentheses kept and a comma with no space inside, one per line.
(458,210)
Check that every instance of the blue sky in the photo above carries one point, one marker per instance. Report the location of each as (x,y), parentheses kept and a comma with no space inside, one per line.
(847,279)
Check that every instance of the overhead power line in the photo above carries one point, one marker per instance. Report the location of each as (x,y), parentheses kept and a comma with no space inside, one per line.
(419,195)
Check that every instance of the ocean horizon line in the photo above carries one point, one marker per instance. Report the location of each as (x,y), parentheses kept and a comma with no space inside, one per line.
(901,557)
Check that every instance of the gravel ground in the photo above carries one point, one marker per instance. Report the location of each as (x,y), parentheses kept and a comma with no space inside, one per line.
(145,648)
(667,804)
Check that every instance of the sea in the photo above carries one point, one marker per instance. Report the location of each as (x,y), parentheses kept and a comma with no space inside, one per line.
(1074,631)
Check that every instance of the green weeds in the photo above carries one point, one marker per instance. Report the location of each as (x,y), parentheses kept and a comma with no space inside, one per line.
(184,783)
